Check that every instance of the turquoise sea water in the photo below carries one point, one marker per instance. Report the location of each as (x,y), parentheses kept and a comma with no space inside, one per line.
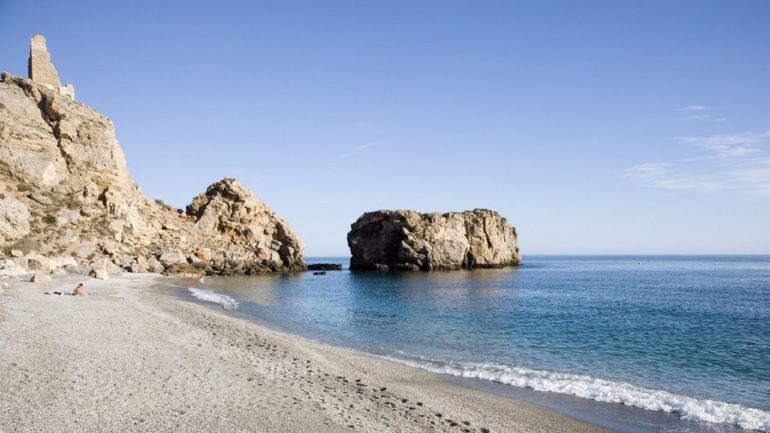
(684,337)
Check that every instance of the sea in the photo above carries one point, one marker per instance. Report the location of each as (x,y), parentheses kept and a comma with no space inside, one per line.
(634,343)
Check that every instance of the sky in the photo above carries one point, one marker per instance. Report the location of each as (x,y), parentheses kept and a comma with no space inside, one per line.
(594,127)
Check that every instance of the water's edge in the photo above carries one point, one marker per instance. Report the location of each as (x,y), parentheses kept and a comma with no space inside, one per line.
(604,403)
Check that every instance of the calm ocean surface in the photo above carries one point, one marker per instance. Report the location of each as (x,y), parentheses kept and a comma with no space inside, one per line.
(682,342)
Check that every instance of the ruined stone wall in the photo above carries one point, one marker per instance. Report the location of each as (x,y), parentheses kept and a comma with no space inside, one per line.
(42,71)
(40,68)
(67,89)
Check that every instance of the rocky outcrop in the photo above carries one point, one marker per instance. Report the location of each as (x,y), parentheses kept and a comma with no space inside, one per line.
(14,219)
(252,236)
(408,240)
(66,195)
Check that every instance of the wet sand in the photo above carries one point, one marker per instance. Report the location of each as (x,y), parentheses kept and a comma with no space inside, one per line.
(130,357)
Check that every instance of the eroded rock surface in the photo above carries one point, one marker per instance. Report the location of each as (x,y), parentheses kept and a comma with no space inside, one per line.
(14,219)
(252,236)
(408,240)
(66,195)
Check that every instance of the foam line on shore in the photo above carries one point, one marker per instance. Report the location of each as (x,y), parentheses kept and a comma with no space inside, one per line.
(583,386)
(227,302)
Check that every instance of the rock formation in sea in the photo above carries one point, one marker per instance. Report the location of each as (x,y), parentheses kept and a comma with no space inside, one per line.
(68,203)
(324,267)
(408,240)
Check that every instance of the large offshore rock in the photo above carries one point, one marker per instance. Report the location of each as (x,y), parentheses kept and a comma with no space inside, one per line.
(65,191)
(408,240)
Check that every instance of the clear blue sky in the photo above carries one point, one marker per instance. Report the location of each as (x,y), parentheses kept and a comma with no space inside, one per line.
(594,127)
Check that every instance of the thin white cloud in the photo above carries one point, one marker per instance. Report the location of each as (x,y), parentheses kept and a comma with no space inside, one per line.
(727,145)
(757,175)
(358,150)
(700,112)
(725,162)
(666,175)
(696,107)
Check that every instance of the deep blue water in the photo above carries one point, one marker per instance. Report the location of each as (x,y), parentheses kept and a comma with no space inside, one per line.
(657,333)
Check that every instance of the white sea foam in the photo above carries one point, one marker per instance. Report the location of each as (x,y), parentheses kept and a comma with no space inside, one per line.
(227,302)
(687,408)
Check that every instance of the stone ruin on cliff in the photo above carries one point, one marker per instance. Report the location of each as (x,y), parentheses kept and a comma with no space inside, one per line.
(42,71)
(69,204)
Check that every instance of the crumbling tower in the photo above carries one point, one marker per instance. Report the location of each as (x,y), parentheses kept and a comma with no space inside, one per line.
(42,71)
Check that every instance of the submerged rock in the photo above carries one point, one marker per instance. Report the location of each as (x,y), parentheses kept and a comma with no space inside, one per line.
(408,240)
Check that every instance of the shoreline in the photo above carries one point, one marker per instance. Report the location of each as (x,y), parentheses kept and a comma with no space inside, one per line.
(632,411)
(131,357)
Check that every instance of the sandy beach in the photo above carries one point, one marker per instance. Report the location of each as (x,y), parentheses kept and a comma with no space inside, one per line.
(130,357)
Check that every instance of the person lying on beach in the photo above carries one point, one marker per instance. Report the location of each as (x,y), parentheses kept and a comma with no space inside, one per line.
(79,291)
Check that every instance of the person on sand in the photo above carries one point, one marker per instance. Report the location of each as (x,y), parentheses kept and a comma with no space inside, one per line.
(79,291)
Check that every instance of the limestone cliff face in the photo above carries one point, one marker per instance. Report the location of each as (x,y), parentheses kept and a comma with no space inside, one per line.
(251,235)
(65,192)
(407,240)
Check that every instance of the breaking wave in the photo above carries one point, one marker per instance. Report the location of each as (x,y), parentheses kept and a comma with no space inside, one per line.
(688,408)
(227,302)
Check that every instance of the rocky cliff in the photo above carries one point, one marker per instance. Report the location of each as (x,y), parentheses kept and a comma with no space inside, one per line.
(68,201)
(408,240)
